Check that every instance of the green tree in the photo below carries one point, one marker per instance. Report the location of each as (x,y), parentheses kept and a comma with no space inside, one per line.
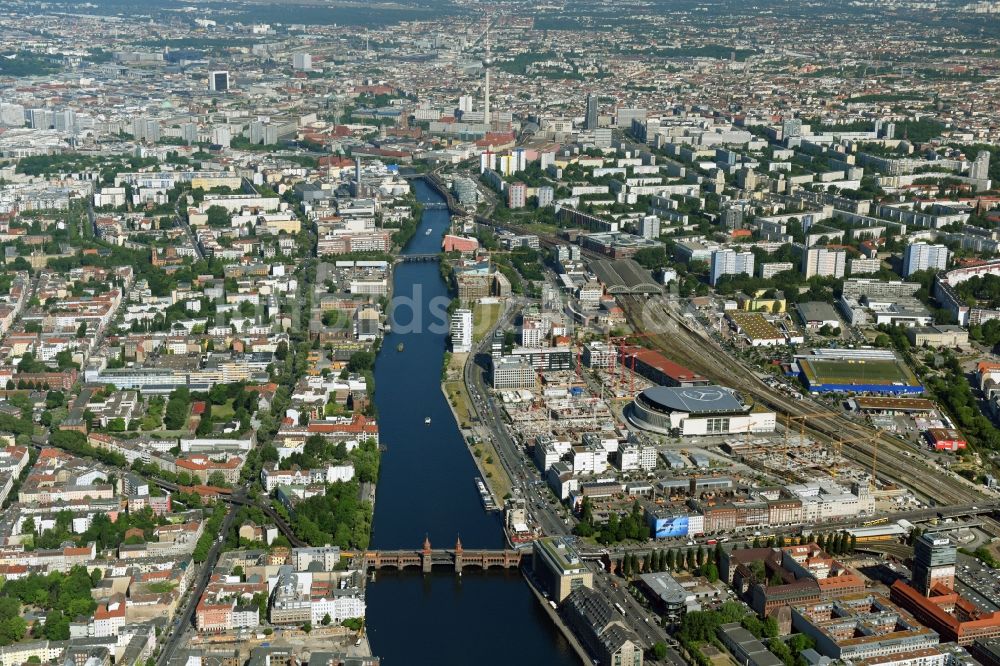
(218,216)
(217,479)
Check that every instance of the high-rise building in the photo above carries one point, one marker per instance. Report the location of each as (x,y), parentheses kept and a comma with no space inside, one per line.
(222,135)
(146,129)
(461,331)
(823,262)
(545,196)
(933,562)
(591,120)
(65,120)
(519,159)
(732,218)
(189,133)
(921,256)
(791,128)
(302,62)
(465,104)
(517,195)
(730,262)
(218,81)
(746,178)
(649,227)
(41,118)
(625,116)
(980,169)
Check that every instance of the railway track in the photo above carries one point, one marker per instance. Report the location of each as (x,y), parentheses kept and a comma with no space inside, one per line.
(701,353)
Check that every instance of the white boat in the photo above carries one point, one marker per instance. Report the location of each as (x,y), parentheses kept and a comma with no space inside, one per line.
(427,233)
(427,420)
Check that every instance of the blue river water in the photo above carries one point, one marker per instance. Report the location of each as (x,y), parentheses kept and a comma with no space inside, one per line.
(427,488)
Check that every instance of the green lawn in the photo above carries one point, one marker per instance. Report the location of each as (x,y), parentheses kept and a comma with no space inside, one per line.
(223,412)
(856,372)
(483,318)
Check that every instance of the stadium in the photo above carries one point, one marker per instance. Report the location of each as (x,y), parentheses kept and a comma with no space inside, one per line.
(698,410)
(857,371)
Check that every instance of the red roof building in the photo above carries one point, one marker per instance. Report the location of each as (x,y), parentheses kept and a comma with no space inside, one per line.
(946,439)
(946,612)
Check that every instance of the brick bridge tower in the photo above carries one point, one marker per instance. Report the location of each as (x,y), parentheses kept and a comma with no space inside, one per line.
(426,557)
(458,554)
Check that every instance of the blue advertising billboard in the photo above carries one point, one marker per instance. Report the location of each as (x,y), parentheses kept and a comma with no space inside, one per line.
(670,526)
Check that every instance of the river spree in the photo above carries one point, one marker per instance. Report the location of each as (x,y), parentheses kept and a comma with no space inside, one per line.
(427,488)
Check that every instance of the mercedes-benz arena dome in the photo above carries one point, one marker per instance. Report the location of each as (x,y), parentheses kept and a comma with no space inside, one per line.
(698,410)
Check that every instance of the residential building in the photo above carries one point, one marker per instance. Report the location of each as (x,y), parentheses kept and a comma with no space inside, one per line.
(921,256)
(730,262)
(461,331)
(517,195)
(823,262)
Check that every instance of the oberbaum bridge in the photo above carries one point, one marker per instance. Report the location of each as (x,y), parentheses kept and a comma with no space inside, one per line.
(456,558)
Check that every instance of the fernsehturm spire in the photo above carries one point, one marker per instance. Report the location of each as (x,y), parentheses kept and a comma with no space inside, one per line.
(486,64)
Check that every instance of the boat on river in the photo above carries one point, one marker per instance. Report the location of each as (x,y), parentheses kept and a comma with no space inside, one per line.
(485,495)
(399,347)
(427,420)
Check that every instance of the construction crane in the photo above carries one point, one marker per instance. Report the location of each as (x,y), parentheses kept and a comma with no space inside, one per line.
(802,424)
(838,446)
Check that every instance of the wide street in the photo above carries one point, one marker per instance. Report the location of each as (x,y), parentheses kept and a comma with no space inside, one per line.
(176,633)
(519,469)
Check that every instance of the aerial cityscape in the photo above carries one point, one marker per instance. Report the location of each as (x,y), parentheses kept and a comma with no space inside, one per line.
(446,332)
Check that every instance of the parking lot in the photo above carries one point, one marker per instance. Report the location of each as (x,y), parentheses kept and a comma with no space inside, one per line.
(978,583)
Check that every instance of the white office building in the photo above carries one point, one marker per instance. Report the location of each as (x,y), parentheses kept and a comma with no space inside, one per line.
(302,62)
(512,372)
(461,331)
(730,262)
(921,256)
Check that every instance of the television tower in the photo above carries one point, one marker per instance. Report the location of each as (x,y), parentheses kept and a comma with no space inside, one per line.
(486,64)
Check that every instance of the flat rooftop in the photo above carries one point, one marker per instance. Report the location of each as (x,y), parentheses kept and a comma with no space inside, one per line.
(897,404)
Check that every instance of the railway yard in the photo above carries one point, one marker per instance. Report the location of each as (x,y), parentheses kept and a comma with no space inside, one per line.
(896,460)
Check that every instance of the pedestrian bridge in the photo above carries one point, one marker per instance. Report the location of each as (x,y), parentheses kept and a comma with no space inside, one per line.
(415,258)
(457,558)
(435,205)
